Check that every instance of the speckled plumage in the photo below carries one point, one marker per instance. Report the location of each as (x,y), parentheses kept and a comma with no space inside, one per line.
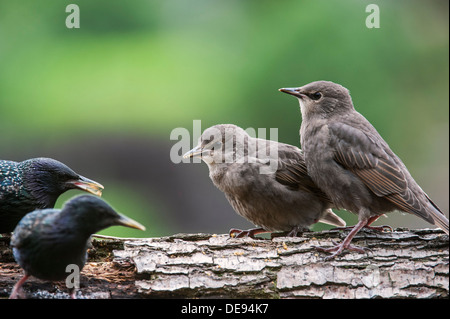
(284,199)
(35,184)
(46,241)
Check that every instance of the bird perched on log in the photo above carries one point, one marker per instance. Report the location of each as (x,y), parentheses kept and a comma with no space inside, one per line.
(35,184)
(280,197)
(349,161)
(46,242)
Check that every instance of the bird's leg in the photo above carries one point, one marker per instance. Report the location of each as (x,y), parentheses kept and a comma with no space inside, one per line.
(294,231)
(239,233)
(370,221)
(73,293)
(378,228)
(17,290)
(339,248)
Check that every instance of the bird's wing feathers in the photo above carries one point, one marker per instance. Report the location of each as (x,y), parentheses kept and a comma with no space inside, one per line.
(40,220)
(21,237)
(375,165)
(359,153)
(292,172)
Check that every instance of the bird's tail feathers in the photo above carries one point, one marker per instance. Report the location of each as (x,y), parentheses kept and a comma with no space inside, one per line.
(442,223)
(438,216)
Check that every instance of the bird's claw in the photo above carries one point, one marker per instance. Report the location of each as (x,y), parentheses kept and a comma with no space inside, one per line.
(294,232)
(239,233)
(337,249)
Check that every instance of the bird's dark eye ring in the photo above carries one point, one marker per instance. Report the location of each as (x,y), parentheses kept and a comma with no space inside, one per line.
(315,96)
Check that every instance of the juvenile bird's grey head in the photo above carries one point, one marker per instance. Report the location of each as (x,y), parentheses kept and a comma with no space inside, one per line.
(222,143)
(321,98)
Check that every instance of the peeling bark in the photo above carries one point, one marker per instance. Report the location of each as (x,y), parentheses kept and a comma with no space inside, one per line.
(402,264)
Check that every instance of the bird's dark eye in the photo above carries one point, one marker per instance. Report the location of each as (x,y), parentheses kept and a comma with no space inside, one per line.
(217,144)
(315,96)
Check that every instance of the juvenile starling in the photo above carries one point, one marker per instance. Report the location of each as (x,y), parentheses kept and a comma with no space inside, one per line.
(46,241)
(35,184)
(285,199)
(349,160)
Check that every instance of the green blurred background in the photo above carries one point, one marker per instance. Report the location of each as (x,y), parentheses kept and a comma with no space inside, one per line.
(104,98)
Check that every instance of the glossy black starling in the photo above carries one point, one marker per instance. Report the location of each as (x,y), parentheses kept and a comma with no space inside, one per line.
(280,197)
(35,184)
(349,160)
(46,241)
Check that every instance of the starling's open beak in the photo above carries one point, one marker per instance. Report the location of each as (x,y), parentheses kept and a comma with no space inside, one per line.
(292,91)
(195,152)
(128,222)
(87,185)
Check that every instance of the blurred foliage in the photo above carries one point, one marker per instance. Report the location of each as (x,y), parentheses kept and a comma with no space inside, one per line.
(147,66)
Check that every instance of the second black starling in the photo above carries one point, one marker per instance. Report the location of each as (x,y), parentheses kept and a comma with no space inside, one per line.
(284,199)
(35,184)
(46,241)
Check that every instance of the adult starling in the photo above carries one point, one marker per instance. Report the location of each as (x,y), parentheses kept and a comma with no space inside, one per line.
(46,241)
(349,160)
(35,184)
(284,199)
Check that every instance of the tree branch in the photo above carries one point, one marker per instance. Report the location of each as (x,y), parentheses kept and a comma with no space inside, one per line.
(402,264)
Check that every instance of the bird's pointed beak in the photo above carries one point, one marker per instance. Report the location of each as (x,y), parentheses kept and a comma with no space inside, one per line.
(195,152)
(128,222)
(87,185)
(292,91)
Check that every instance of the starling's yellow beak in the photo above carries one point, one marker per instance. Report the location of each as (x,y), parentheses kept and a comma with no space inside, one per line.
(128,222)
(87,185)
(195,152)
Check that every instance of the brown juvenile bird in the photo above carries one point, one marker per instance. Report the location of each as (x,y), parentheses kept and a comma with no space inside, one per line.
(265,182)
(349,160)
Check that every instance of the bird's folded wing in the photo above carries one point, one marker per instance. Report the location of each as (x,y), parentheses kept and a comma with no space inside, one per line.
(292,173)
(375,165)
(21,237)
